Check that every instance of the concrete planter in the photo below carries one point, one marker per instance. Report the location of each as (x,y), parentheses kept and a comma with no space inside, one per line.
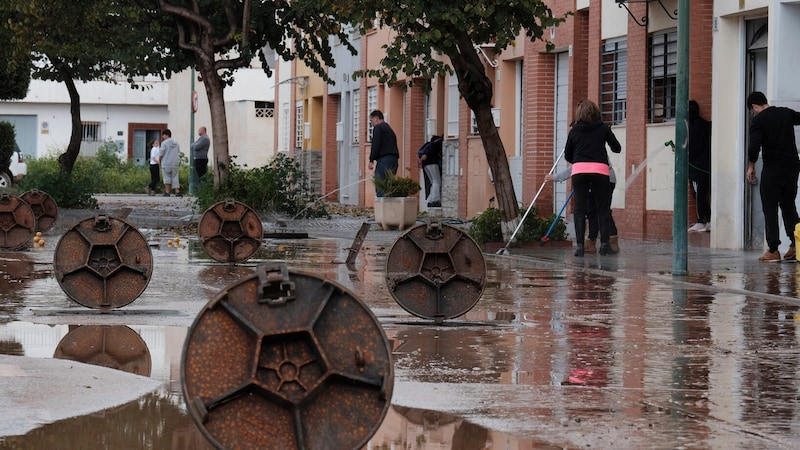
(396,212)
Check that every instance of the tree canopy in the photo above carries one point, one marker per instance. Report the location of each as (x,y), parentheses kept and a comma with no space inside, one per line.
(454,29)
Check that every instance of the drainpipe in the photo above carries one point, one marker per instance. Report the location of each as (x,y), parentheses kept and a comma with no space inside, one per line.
(680,215)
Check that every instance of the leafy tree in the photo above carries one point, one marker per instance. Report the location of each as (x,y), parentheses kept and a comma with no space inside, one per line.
(219,36)
(15,71)
(454,28)
(69,42)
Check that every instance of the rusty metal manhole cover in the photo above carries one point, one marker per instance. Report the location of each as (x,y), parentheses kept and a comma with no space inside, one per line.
(17,223)
(286,360)
(103,262)
(435,271)
(114,346)
(44,208)
(230,231)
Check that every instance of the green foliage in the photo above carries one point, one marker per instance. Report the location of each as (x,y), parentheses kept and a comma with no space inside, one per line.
(393,186)
(280,186)
(486,228)
(8,139)
(15,70)
(73,191)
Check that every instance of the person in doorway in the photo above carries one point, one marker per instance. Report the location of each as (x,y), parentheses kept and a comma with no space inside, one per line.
(200,148)
(170,163)
(772,135)
(430,159)
(699,148)
(383,154)
(586,151)
(155,175)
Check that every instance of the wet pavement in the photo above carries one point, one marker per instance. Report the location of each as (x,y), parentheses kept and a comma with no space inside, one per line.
(560,352)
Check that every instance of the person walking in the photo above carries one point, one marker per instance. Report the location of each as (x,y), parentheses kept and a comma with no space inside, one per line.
(383,154)
(699,148)
(772,135)
(170,163)
(200,148)
(586,151)
(430,159)
(155,170)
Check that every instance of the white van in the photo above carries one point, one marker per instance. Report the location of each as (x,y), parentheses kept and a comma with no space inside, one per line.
(16,170)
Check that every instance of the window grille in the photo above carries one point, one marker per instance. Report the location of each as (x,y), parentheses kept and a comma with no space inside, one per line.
(299,130)
(663,76)
(372,105)
(614,81)
(265,109)
(356,116)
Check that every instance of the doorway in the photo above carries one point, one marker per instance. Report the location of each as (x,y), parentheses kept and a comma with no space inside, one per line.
(755,80)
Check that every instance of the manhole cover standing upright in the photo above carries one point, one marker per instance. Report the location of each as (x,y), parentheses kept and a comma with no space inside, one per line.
(103,262)
(286,360)
(435,271)
(230,231)
(44,208)
(17,223)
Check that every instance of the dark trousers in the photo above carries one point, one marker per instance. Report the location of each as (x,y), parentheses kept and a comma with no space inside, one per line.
(600,188)
(200,167)
(155,176)
(382,165)
(778,186)
(591,215)
(701,189)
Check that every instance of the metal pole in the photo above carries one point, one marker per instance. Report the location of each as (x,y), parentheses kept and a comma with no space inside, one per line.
(192,174)
(680,215)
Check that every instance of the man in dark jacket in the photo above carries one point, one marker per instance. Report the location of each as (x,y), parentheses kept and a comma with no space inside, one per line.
(699,148)
(772,135)
(383,155)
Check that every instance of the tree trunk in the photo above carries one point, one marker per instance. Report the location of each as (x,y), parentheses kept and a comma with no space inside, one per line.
(476,88)
(67,159)
(215,92)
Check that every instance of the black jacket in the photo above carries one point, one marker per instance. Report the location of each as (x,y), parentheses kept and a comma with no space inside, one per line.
(586,142)
(772,133)
(699,149)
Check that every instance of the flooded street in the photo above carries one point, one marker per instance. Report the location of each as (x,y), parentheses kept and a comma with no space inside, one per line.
(552,356)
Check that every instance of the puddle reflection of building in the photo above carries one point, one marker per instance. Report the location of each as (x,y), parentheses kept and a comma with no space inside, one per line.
(116,347)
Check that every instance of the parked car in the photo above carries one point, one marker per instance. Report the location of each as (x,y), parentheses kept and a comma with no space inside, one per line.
(16,170)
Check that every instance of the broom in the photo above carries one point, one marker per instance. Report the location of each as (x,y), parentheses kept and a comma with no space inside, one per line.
(546,238)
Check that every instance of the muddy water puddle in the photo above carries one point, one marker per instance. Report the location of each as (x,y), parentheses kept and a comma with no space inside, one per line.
(549,357)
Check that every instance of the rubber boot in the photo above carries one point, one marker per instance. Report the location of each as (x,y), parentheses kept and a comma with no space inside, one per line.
(590,246)
(613,242)
(580,232)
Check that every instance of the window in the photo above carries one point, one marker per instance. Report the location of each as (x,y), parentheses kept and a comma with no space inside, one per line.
(91,137)
(614,81)
(452,106)
(265,109)
(356,116)
(372,105)
(285,126)
(663,76)
(299,131)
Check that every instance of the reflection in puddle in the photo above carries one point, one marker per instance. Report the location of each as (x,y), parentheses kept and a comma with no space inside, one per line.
(116,347)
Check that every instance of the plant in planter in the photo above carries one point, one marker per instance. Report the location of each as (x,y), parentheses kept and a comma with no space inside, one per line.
(396,209)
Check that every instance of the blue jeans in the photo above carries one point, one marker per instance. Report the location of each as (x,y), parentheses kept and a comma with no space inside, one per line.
(382,165)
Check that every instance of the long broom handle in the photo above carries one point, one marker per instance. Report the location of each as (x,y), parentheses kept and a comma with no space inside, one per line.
(553,225)
(535,197)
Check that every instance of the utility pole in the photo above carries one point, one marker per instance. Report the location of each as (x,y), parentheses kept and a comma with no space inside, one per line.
(680,214)
(192,174)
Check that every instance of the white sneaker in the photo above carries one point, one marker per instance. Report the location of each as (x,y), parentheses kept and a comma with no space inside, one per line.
(708,227)
(697,227)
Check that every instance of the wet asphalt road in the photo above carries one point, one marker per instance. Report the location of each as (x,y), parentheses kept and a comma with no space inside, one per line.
(604,352)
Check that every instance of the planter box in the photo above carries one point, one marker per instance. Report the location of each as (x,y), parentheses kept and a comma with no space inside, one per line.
(396,212)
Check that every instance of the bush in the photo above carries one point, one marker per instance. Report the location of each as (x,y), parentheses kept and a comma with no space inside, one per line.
(67,191)
(280,186)
(393,186)
(486,228)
